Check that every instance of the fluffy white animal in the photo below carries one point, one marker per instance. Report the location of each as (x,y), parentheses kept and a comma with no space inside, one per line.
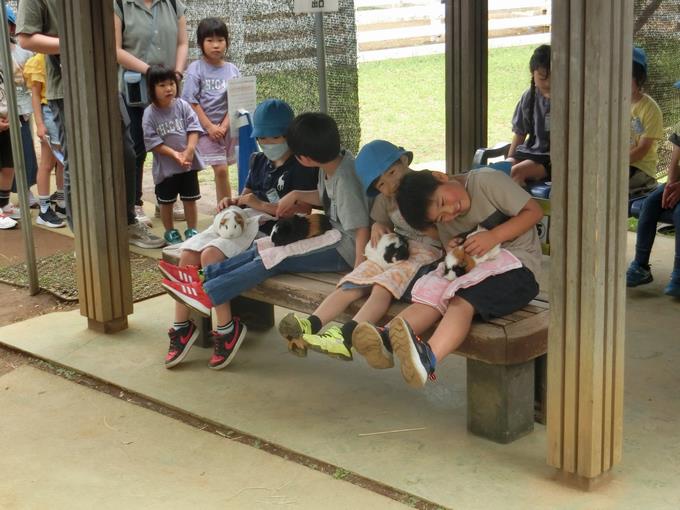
(391,248)
(457,262)
(229,223)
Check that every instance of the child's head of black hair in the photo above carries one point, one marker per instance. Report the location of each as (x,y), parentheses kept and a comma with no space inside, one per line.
(314,135)
(540,59)
(414,196)
(156,74)
(211,27)
(639,74)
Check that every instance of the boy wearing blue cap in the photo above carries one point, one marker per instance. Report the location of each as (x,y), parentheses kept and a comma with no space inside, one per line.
(646,130)
(380,166)
(666,196)
(274,172)
(315,140)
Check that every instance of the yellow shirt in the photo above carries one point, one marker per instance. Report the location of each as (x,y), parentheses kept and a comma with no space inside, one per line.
(646,121)
(34,72)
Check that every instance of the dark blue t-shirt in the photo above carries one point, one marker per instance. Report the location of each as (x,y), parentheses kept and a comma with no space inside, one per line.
(270,184)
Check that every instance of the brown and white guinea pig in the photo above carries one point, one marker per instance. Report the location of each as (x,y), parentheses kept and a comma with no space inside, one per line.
(457,262)
(229,224)
(299,227)
(391,248)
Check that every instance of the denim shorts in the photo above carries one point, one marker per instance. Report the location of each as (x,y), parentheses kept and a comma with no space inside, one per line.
(50,125)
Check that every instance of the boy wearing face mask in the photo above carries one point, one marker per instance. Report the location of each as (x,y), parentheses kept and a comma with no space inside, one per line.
(275,171)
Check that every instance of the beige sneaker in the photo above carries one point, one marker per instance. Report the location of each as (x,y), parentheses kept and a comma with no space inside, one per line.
(141,216)
(140,235)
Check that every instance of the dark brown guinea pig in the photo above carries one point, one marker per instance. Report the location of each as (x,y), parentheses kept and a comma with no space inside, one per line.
(299,227)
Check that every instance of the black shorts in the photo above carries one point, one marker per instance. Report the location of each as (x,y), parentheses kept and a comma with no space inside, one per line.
(185,185)
(6,159)
(541,159)
(501,294)
(406,296)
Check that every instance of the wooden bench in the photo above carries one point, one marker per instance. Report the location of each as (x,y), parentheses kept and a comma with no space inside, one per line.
(505,357)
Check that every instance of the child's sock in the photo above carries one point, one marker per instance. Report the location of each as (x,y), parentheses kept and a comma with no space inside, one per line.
(347,330)
(44,202)
(4,197)
(316,324)
(226,328)
(180,325)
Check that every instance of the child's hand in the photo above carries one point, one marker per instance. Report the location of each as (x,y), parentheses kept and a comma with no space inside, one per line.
(41,131)
(179,158)
(215,132)
(377,231)
(478,244)
(453,243)
(226,202)
(188,156)
(671,195)
(249,199)
(286,206)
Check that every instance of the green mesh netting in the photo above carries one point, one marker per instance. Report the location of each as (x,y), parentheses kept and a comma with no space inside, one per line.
(279,47)
(657,26)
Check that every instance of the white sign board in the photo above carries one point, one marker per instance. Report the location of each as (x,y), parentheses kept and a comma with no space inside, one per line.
(241,95)
(303,6)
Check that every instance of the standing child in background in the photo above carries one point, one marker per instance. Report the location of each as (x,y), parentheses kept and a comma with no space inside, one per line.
(530,158)
(205,89)
(47,132)
(646,129)
(171,131)
(380,166)
(457,206)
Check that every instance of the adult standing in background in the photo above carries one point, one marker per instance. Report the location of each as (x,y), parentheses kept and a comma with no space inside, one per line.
(38,31)
(147,32)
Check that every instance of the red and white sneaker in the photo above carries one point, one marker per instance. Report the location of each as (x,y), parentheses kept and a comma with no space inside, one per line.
(227,345)
(184,274)
(181,341)
(190,294)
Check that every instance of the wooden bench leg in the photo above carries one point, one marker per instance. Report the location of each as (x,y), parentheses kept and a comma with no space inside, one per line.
(255,314)
(541,388)
(500,400)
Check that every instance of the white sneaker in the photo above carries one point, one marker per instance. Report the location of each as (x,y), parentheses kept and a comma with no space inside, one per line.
(6,222)
(140,235)
(141,216)
(12,211)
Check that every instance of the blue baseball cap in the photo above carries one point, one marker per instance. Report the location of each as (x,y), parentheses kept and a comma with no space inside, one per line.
(272,118)
(11,16)
(374,159)
(640,57)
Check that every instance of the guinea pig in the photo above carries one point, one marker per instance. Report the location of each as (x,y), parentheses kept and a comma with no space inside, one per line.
(391,248)
(229,224)
(457,262)
(299,227)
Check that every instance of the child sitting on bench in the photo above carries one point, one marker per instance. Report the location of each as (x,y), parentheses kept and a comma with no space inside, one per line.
(457,205)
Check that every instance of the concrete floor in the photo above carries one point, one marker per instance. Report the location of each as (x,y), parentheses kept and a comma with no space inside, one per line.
(318,407)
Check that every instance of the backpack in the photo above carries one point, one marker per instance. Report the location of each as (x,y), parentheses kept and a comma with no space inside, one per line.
(173,3)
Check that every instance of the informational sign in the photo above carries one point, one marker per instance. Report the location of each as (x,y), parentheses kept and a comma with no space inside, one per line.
(241,95)
(304,6)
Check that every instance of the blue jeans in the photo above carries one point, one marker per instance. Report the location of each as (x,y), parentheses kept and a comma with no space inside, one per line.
(228,279)
(59,114)
(646,231)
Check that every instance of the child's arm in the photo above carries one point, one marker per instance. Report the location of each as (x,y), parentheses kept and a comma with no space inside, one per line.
(640,150)
(214,132)
(517,140)
(525,219)
(36,93)
(167,151)
(671,193)
(361,236)
(377,231)
(287,204)
(188,153)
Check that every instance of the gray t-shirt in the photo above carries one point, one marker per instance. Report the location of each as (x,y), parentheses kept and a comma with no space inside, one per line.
(345,204)
(495,198)
(149,33)
(206,85)
(170,126)
(40,17)
(386,211)
(541,129)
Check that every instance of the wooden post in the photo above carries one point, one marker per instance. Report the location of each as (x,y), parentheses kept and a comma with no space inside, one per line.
(590,82)
(466,81)
(95,152)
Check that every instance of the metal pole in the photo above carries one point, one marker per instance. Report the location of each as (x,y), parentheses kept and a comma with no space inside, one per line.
(17,151)
(321,61)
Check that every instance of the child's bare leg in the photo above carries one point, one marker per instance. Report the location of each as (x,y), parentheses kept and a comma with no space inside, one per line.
(337,302)
(59,175)
(211,255)
(47,161)
(190,213)
(186,258)
(376,305)
(166,216)
(527,170)
(223,313)
(453,328)
(420,317)
(222,185)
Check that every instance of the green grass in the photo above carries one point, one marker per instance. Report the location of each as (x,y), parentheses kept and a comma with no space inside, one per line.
(403,100)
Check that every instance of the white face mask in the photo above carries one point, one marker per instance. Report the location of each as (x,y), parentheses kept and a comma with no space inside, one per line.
(274,151)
